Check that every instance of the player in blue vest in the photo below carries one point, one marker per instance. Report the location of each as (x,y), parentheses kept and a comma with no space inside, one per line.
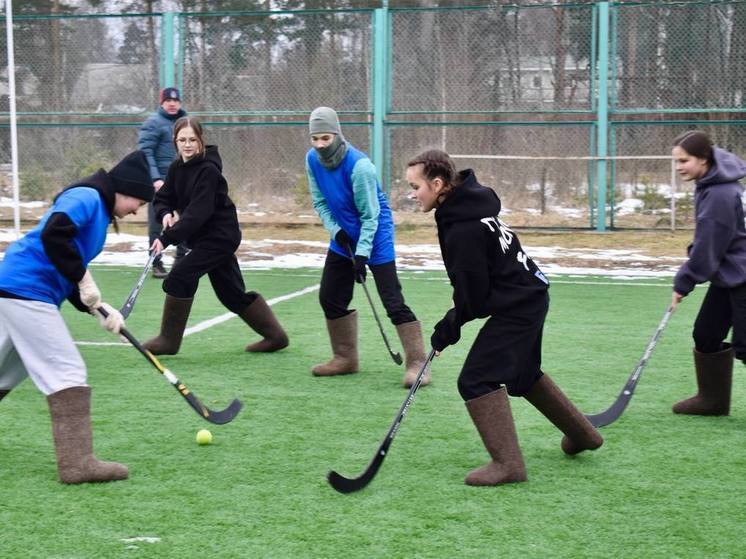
(42,269)
(347,196)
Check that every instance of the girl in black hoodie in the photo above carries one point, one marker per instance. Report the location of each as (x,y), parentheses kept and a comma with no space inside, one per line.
(492,277)
(196,189)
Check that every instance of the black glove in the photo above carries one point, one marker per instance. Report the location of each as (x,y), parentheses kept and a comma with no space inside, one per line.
(360,263)
(345,240)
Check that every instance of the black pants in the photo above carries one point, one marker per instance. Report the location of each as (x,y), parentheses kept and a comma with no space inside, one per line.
(338,280)
(722,308)
(222,269)
(154,231)
(507,351)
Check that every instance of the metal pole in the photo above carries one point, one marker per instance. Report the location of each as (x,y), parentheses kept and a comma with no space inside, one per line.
(602,112)
(13,123)
(167,50)
(673,194)
(380,57)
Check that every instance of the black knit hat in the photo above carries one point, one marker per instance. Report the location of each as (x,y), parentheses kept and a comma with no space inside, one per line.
(131,176)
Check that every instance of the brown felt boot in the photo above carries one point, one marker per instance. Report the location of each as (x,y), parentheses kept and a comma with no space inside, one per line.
(4,393)
(343,336)
(492,418)
(173,323)
(73,439)
(714,380)
(410,334)
(260,318)
(580,435)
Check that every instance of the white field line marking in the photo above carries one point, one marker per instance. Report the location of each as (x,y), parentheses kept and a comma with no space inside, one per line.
(205,324)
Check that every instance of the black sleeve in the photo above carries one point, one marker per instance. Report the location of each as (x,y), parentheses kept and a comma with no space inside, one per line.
(468,270)
(164,201)
(74,299)
(198,210)
(57,239)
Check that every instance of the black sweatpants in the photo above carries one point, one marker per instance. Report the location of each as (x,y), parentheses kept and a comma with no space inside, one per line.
(722,308)
(507,351)
(338,280)
(222,269)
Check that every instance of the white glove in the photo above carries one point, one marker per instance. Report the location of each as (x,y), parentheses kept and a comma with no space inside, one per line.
(89,293)
(114,322)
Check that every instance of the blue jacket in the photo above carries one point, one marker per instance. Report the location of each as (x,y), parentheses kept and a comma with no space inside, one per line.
(718,252)
(156,140)
(349,197)
(27,270)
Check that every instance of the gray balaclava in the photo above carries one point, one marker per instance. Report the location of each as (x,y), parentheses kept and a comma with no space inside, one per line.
(324,120)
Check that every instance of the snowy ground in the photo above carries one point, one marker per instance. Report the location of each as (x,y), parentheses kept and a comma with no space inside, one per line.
(129,250)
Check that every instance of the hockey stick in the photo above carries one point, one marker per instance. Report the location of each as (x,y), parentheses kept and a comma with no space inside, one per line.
(395,356)
(217,417)
(130,302)
(617,408)
(350,485)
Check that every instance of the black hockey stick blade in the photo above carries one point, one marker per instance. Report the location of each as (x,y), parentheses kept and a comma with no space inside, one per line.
(350,485)
(132,297)
(219,417)
(616,409)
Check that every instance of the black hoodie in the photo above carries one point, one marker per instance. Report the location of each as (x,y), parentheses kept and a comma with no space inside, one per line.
(489,272)
(199,192)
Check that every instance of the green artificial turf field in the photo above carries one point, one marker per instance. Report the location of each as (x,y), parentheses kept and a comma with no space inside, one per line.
(661,486)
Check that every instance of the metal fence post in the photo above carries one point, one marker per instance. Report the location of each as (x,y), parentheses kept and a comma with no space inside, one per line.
(602,113)
(167,50)
(380,59)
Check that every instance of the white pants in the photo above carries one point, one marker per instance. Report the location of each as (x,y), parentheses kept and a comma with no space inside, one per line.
(35,342)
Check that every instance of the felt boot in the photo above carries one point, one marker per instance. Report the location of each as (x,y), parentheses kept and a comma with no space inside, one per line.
(70,410)
(714,379)
(410,334)
(580,435)
(492,418)
(159,270)
(343,337)
(173,323)
(260,318)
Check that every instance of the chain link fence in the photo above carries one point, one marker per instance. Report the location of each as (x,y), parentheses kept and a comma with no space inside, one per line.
(679,56)
(277,62)
(497,59)
(473,80)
